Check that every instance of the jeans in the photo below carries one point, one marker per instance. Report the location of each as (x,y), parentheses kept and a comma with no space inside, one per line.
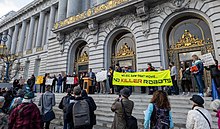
(199,82)
(175,87)
(58,88)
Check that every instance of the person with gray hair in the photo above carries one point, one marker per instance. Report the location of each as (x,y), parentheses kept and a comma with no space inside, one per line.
(215,106)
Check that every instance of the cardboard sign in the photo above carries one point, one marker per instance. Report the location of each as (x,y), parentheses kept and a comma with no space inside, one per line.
(101,76)
(49,81)
(70,80)
(207,59)
(160,78)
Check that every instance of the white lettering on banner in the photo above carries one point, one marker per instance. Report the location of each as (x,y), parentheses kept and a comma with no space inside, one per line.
(70,80)
(207,59)
(101,76)
(49,81)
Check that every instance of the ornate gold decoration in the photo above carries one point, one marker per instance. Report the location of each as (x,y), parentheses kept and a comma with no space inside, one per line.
(83,58)
(29,52)
(39,49)
(90,12)
(125,51)
(187,40)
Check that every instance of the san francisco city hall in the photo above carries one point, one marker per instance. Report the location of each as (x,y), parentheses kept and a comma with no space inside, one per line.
(54,36)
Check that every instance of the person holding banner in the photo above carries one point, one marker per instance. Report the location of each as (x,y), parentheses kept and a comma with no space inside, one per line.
(151,88)
(197,70)
(59,83)
(110,77)
(215,75)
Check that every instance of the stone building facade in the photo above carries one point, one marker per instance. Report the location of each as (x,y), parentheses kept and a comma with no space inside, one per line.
(54,36)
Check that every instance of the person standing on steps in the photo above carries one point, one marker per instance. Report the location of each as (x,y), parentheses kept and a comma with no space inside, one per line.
(118,69)
(47,101)
(64,104)
(198,117)
(150,68)
(110,77)
(173,74)
(119,121)
(158,114)
(59,83)
(197,70)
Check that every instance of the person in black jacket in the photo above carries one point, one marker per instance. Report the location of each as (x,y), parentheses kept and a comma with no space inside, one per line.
(92,107)
(64,104)
(215,74)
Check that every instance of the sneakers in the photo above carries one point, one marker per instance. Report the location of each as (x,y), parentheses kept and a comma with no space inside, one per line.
(188,94)
(183,94)
(201,94)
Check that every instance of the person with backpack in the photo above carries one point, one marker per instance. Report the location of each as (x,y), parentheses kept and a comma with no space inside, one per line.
(78,114)
(47,101)
(198,117)
(92,107)
(158,114)
(64,106)
(26,115)
(123,108)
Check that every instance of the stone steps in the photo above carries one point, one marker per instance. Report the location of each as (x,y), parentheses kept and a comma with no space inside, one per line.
(180,107)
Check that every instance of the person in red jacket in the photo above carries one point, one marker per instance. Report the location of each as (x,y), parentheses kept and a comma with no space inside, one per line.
(26,115)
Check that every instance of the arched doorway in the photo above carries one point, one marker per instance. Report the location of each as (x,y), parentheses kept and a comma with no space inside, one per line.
(187,36)
(78,58)
(121,49)
(82,58)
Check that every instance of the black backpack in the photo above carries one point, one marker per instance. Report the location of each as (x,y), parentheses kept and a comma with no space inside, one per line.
(131,122)
(160,118)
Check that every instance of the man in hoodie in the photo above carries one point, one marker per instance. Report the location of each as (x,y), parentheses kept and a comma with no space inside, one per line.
(26,115)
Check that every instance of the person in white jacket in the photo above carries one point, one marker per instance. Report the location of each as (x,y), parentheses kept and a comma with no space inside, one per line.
(198,117)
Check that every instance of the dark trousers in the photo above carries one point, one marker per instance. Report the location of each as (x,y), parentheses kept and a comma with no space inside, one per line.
(47,125)
(42,88)
(143,89)
(217,81)
(185,84)
(175,87)
(53,88)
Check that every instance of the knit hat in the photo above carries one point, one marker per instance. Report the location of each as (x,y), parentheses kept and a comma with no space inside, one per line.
(197,99)
(125,92)
(215,105)
(29,95)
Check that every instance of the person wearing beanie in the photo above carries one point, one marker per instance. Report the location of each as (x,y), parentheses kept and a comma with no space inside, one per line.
(26,115)
(64,104)
(198,117)
(47,101)
(119,121)
(215,106)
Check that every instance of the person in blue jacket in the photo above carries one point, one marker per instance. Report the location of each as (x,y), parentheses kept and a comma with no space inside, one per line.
(158,115)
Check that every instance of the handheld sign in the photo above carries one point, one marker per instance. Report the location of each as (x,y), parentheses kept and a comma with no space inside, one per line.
(70,80)
(101,76)
(49,81)
(39,80)
(207,59)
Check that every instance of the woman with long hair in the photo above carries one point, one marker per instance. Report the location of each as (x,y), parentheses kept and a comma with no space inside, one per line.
(158,115)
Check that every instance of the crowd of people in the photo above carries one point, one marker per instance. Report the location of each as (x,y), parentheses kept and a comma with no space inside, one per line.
(18,110)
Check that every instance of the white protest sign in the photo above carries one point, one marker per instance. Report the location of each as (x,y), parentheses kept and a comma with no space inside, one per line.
(207,59)
(49,81)
(70,80)
(101,76)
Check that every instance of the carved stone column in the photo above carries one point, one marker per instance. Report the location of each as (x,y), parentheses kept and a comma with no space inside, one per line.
(74,7)
(62,9)
(10,33)
(22,36)
(30,33)
(40,29)
(52,19)
(15,39)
